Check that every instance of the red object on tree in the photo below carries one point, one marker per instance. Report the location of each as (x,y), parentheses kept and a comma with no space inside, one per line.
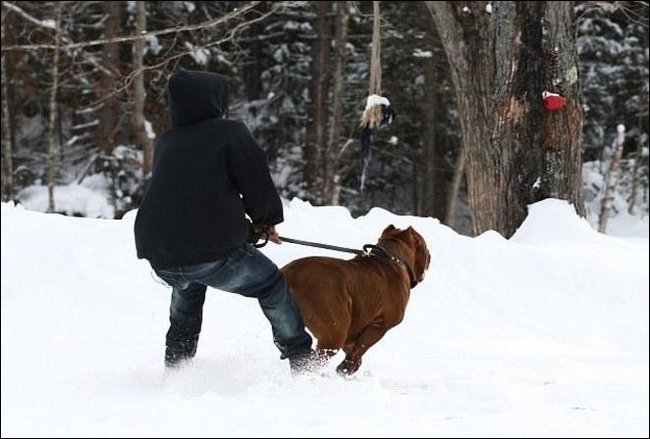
(553,101)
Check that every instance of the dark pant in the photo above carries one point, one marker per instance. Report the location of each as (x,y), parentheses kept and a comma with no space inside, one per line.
(246,271)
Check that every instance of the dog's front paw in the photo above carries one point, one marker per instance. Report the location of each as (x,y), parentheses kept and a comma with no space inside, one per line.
(348,367)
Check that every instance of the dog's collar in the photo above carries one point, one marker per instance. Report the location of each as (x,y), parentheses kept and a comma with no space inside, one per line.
(370,249)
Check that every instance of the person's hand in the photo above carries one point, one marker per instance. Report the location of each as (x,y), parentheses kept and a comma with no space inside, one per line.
(273,235)
(262,231)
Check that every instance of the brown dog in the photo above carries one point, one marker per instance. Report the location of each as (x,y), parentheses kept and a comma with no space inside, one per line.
(351,304)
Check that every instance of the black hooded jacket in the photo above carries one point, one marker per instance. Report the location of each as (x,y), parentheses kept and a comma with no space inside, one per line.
(208,172)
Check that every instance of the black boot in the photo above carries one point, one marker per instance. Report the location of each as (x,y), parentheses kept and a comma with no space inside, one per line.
(185,317)
(178,353)
(307,362)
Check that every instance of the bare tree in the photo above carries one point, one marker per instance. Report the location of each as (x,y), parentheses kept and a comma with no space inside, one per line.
(638,159)
(138,120)
(316,136)
(433,164)
(611,178)
(53,141)
(109,113)
(331,177)
(561,175)
(496,51)
(7,155)
(454,186)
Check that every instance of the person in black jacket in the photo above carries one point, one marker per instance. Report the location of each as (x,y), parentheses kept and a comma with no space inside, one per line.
(208,174)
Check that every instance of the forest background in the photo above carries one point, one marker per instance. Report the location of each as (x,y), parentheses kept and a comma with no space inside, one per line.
(472,144)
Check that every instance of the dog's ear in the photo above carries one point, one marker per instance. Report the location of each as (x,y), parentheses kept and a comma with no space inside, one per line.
(412,235)
(387,230)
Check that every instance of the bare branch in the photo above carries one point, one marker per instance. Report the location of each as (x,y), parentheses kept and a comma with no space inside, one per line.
(128,79)
(236,12)
(47,24)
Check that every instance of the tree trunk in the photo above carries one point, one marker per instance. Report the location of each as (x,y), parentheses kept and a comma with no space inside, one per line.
(427,159)
(454,187)
(138,119)
(252,73)
(53,141)
(612,179)
(7,155)
(434,185)
(638,159)
(495,51)
(317,111)
(331,177)
(562,130)
(110,111)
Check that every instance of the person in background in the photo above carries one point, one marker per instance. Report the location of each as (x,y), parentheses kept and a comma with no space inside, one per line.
(208,174)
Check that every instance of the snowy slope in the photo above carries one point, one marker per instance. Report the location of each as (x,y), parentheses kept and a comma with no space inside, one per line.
(545,334)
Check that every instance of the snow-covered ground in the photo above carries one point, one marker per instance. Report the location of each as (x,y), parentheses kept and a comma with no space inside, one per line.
(544,334)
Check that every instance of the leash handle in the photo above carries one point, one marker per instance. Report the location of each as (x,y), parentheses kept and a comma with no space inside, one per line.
(263,243)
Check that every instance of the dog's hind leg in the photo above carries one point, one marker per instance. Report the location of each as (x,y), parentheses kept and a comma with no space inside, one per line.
(331,338)
(370,335)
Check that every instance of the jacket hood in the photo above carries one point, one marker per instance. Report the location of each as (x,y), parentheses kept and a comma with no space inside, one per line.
(195,96)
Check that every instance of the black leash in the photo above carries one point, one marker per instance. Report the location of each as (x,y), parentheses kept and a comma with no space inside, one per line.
(326,246)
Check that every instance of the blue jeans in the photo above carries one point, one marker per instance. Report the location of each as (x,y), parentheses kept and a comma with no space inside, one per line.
(245,271)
